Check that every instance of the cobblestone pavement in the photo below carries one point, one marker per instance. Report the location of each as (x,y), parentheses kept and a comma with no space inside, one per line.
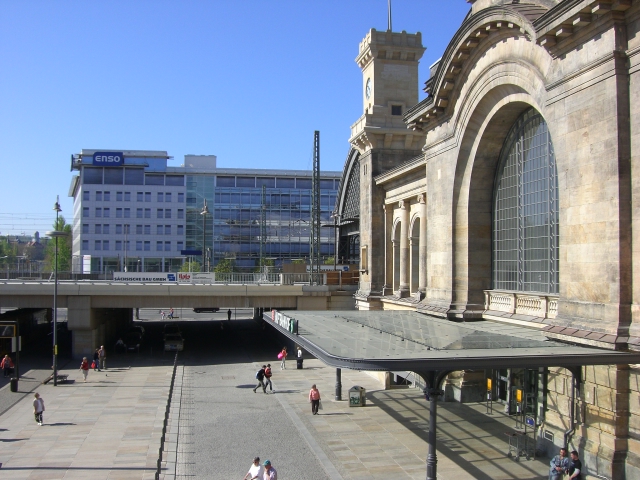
(387,439)
(110,427)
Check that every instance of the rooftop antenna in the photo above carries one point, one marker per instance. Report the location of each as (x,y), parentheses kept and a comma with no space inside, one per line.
(389,8)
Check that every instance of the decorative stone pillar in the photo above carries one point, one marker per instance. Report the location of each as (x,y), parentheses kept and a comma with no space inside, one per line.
(403,288)
(395,267)
(422,248)
(387,288)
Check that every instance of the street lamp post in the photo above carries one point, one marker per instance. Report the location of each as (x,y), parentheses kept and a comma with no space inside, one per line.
(204,212)
(55,234)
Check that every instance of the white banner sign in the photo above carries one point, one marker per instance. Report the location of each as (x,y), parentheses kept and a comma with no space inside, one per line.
(159,277)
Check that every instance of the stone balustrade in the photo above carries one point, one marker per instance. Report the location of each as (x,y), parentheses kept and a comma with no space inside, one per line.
(543,306)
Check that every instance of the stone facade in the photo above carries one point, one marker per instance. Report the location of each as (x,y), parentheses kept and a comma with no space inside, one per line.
(426,223)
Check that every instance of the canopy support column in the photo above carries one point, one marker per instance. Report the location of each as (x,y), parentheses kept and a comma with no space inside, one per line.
(431,393)
(338,384)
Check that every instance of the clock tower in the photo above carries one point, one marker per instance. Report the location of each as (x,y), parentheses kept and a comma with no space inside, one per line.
(389,64)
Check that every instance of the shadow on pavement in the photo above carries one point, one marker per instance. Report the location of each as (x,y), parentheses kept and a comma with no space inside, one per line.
(420,427)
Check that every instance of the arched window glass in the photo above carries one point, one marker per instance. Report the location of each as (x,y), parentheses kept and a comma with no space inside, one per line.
(525,210)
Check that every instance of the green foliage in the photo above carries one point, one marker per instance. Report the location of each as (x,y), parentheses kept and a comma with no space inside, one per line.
(265,262)
(7,250)
(64,248)
(329,261)
(299,261)
(226,265)
(191,267)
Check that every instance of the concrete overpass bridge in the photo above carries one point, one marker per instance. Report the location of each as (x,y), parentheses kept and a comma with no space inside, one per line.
(98,310)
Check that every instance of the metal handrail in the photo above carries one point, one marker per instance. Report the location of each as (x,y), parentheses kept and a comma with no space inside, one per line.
(200,279)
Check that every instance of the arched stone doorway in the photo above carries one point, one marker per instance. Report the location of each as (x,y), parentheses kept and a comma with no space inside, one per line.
(473,206)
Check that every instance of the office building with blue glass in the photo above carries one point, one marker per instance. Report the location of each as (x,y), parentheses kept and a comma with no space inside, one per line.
(132,212)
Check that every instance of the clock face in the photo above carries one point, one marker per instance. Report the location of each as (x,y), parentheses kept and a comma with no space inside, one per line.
(368,88)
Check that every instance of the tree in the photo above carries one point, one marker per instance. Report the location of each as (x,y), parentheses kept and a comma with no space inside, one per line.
(226,265)
(7,254)
(191,267)
(64,248)
(329,260)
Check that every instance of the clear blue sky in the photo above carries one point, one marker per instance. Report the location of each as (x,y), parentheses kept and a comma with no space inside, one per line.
(247,81)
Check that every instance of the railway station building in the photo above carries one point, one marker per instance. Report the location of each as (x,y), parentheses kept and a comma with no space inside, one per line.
(509,194)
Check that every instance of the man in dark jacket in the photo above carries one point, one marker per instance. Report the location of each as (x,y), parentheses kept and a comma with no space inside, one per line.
(260,378)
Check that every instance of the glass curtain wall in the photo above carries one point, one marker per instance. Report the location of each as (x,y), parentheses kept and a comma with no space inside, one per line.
(199,188)
(236,204)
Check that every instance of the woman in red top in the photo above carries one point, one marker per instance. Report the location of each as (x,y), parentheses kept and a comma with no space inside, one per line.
(6,365)
(314,398)
(84,367)
(283,357)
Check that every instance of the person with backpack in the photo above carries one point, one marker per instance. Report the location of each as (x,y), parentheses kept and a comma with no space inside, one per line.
(267,374)
(260,378)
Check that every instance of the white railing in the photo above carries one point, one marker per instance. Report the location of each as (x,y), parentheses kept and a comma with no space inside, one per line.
(543,306)
(192,278)
(303,278)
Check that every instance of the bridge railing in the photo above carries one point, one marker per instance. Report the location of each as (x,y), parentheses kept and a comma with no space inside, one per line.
(185,278)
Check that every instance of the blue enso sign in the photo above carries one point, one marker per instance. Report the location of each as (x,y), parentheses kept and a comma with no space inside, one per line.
(108,159)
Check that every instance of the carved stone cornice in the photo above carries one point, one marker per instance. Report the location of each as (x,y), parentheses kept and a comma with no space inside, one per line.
(568,19)
(477,34)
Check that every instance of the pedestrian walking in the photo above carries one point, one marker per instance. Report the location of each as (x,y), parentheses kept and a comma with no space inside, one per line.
(102,354)
(229,315)
(267,375)
(283,358)
(84,367)
(575,466)
(260,378)
(171,313)
(559,465)
(314,398)
(256,471)
(38,408)
(269,472)
(96,360)
(162,314)
(7,365)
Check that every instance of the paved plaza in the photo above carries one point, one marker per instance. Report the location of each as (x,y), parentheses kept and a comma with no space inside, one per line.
(110,427)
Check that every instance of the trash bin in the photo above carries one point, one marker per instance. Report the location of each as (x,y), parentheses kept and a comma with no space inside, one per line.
(299,363)
(357,396)
(14,385)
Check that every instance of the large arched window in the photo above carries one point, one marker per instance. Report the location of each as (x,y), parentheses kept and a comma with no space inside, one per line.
(525,210)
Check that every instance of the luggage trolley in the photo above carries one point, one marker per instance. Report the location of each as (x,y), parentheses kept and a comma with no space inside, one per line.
(520,445)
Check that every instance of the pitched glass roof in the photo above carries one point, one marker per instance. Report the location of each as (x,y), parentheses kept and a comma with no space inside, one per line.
(390,340)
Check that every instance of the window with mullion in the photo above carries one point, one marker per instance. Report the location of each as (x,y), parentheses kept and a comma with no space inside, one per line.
(525,215)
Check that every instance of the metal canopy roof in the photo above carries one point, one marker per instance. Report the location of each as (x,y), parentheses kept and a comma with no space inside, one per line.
(403,340)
